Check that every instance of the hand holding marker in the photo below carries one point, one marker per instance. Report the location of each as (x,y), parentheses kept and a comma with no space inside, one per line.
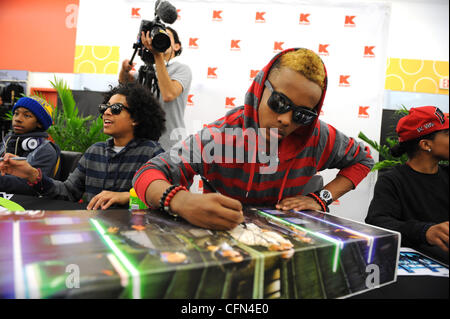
(213,189)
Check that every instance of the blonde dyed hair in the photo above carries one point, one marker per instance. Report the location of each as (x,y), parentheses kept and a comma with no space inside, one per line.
(306,62)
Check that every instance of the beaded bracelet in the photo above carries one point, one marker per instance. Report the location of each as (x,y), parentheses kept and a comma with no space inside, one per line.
(319,201)
(37,181)
(163,197)
(167,197)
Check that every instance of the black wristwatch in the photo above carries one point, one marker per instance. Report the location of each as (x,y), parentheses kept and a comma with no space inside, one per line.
(326,196)
(323,198)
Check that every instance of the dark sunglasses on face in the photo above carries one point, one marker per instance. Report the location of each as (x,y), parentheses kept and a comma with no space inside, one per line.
(116,108)
(280,104)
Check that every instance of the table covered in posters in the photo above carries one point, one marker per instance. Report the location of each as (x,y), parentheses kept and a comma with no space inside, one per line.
(146,254)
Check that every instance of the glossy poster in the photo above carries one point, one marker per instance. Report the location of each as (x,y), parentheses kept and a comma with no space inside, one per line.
(140,254)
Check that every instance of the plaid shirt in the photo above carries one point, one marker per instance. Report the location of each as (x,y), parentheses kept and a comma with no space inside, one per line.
(101,168)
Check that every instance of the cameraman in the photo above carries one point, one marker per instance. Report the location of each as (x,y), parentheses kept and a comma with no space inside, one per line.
(174,81)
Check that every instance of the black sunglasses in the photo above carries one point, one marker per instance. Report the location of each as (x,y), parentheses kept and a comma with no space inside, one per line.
(280,104)
(116,108)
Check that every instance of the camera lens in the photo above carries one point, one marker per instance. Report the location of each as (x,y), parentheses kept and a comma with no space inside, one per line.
(160,39)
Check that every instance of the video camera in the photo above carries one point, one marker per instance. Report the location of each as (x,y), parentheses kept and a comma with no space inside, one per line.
(164,12)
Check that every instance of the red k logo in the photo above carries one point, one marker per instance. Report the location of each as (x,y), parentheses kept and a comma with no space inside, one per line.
(229,102)
(304,18)
(368,52)
(343,80)
(190,102)
(135,12)
(178,16)
(212,73)
(363,112)
(349,21)
(260,17)
(278,46)
(217,15)
(253,74)
(323,49)
(235,45)
(193,43)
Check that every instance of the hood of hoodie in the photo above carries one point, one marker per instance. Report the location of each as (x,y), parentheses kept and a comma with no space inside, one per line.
(294,143)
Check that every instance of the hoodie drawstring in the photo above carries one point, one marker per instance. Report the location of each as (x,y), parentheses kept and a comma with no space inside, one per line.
(283,184)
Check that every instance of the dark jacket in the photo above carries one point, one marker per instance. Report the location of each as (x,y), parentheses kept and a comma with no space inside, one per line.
(40,153)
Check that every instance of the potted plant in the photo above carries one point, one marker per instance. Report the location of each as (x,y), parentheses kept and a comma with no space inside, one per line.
(71,131)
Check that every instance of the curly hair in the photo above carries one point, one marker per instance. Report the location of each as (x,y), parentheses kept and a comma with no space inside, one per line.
(143,108)
(304,61)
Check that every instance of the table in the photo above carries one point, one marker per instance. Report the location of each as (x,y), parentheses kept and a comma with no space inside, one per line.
(43,203)
(411,287)
(147,254)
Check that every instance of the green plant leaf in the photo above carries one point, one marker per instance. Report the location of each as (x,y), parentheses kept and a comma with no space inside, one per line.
(71,131)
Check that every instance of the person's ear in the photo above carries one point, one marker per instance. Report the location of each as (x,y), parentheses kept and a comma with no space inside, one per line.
(425,145)
(176,48)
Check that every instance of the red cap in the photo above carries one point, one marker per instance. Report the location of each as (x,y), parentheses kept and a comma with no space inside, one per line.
(421,121)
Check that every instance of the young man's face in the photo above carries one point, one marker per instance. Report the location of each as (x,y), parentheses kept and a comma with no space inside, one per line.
(24,121)
(170,52)
(300,90)
(118,125)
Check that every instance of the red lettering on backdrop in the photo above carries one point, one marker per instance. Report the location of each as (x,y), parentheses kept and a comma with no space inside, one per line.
(229,102)
(368,51)
(278,46)
(212,73)
(189,100)
(343,80)
(217,15)
(349,21)
(363,111)
(135,12)
(260,17)
(193,43)
(235,44)
(304,18)
(323,49)
(253,74)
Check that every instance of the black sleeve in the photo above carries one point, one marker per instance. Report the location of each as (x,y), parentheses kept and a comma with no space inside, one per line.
(387,210)
(15,185)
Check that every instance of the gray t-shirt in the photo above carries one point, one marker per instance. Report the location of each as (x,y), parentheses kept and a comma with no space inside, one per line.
(175,109)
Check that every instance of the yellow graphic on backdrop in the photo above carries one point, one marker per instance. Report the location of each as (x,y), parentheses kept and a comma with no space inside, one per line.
(415,75)
(96,59)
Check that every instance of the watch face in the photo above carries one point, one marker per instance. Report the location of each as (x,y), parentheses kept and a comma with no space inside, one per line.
(325,195)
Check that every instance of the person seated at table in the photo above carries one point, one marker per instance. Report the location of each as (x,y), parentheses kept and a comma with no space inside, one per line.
(134,120)
(32,116)
(413,198)
(262,153)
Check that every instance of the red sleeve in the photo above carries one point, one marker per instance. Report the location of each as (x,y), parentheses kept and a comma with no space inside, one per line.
(356,173)
(143,181)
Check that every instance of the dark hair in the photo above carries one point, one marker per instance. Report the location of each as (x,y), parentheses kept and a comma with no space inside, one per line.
(411,147)
(176,38)
(143,108)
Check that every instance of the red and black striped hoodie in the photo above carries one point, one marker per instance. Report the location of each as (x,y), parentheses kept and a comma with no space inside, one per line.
(223,153)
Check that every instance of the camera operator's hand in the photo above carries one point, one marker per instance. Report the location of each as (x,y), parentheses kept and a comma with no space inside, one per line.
(147,42)
(125,74)
(169,89)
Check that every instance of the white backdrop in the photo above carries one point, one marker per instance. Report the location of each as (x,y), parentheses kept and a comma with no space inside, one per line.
(226,42)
